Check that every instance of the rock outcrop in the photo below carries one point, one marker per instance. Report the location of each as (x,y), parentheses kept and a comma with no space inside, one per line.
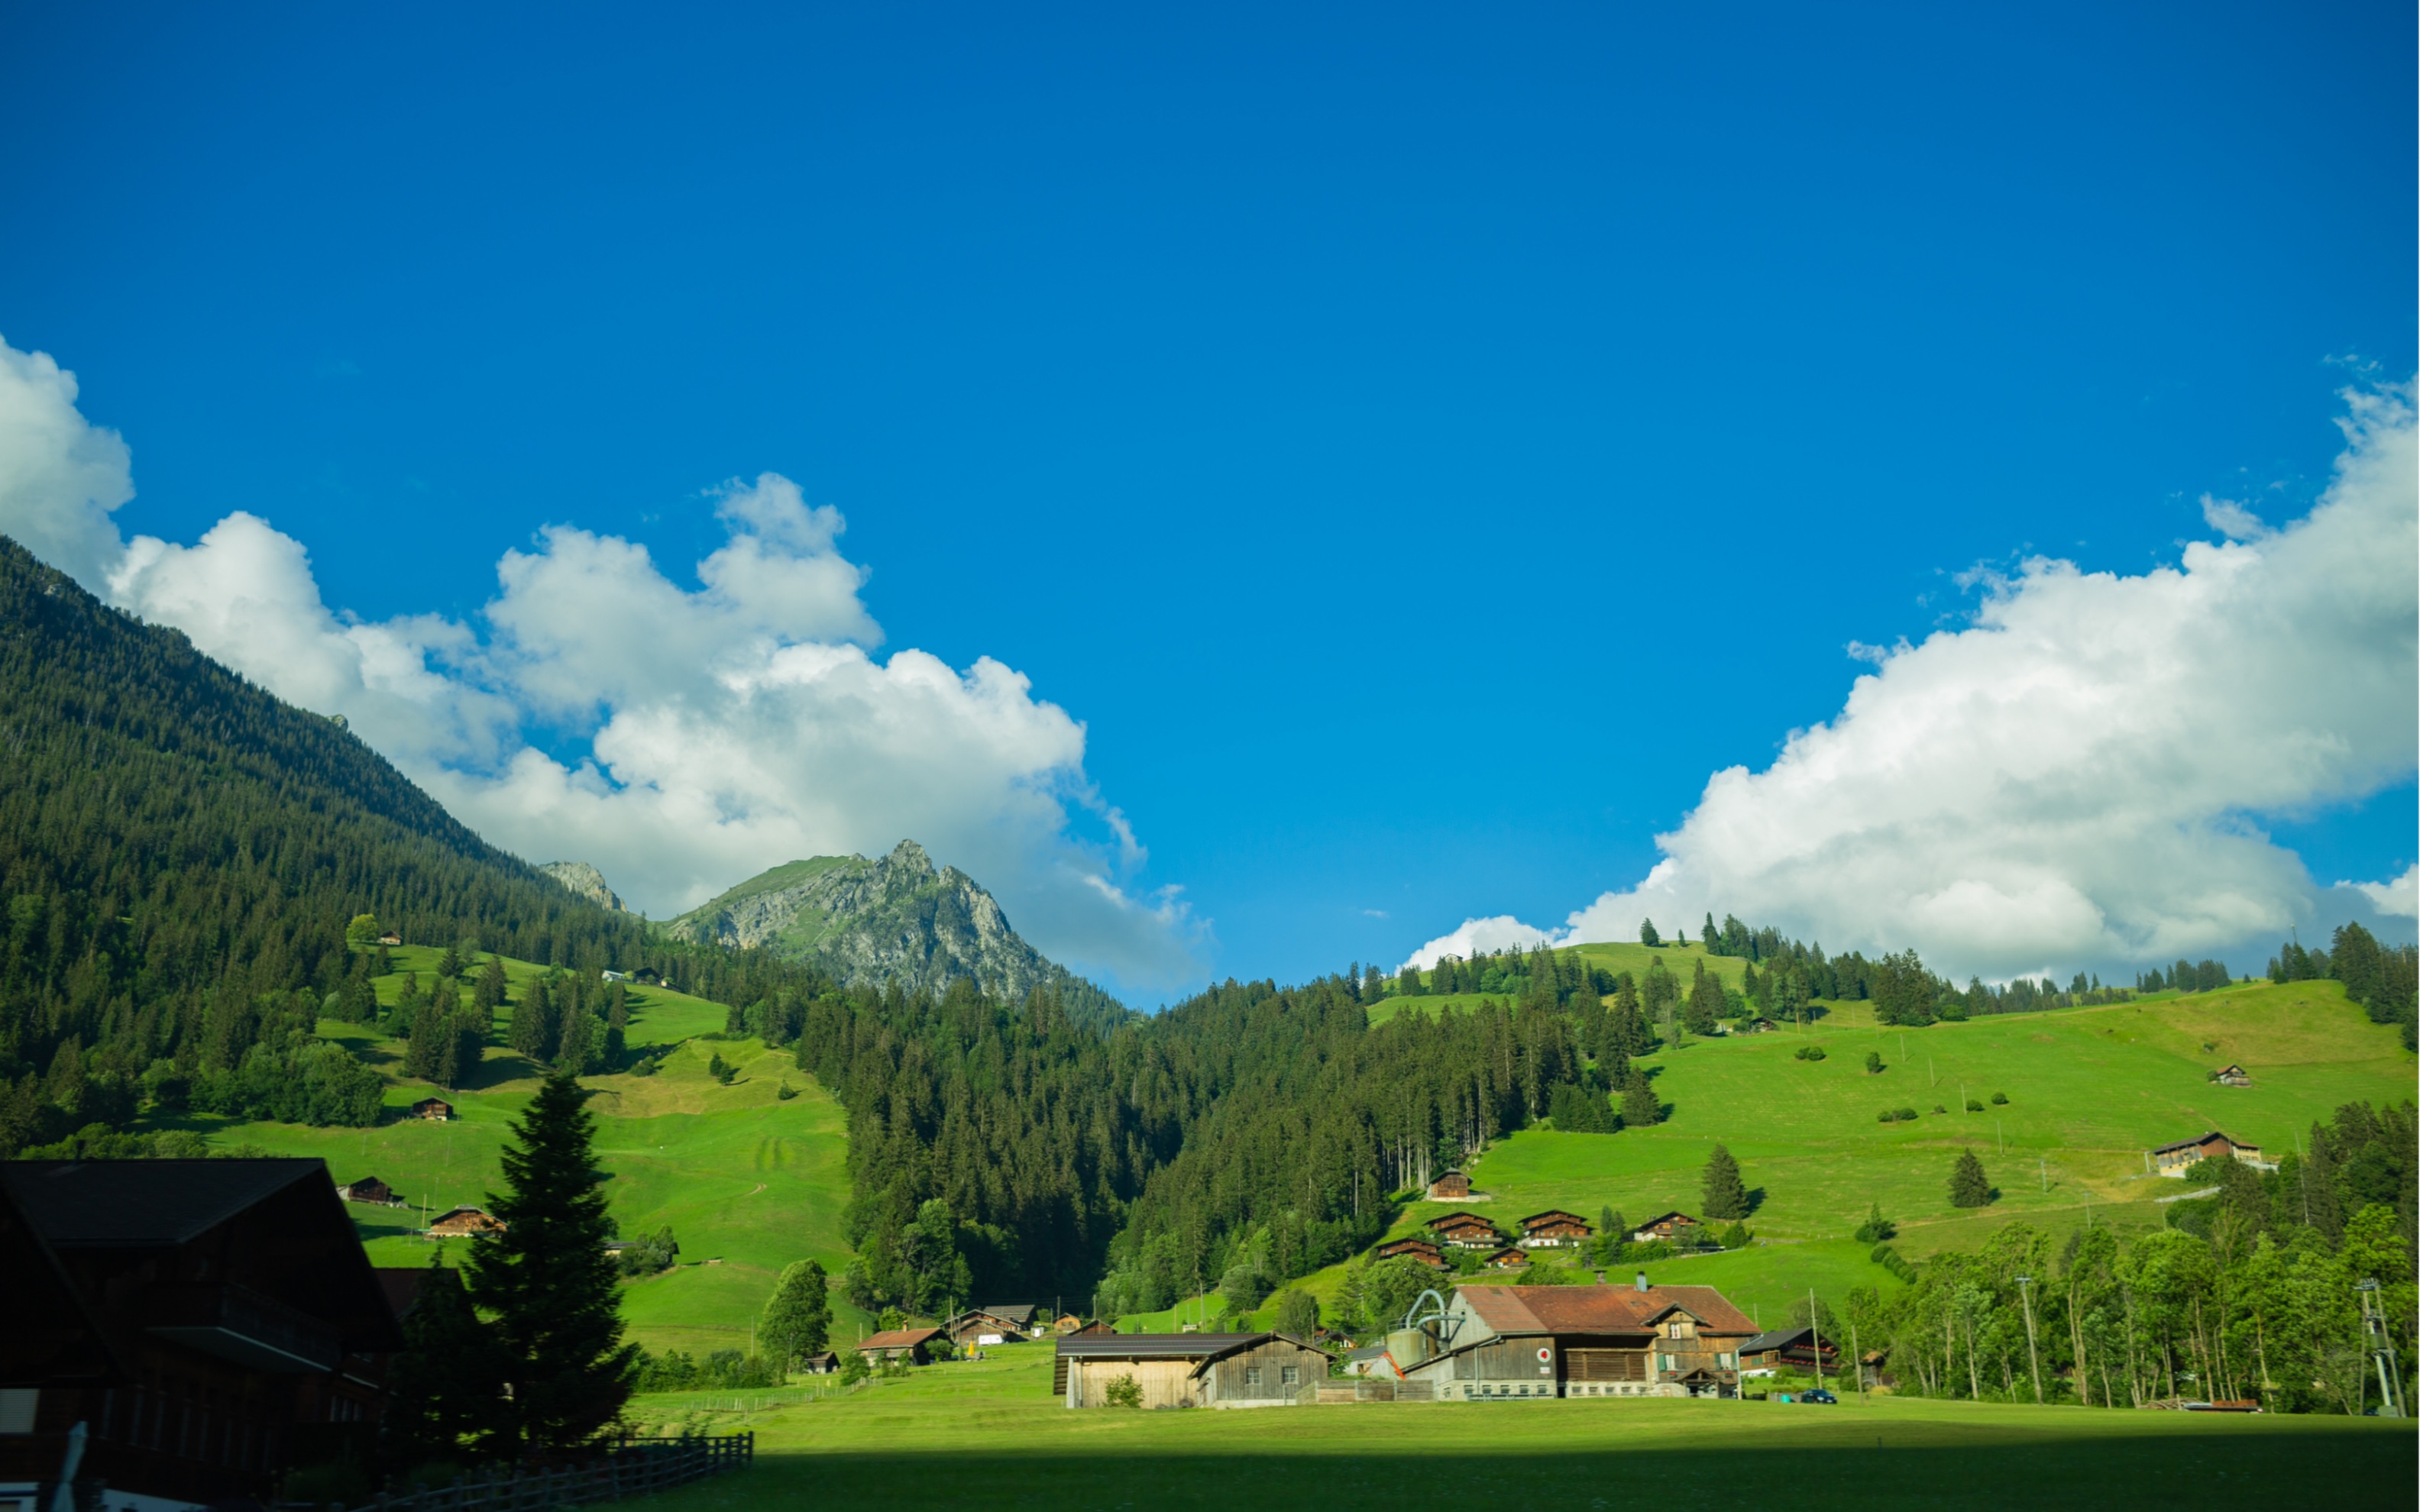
(899,919)
(585,880)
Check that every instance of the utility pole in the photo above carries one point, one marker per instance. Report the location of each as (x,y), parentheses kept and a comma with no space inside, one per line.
(1815,1324)
(1858,1359)
(2045,1173)
(2026,1293)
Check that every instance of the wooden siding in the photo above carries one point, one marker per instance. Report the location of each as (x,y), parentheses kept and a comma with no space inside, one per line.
(1164,1382)
(1230,1382)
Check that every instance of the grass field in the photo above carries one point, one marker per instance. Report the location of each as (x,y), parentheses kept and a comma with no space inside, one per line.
(2089,1090)
(988,1433)
(749,1182)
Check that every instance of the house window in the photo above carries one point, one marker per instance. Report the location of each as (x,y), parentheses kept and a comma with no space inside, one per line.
(1251,1375)
(1289,1375)
(1673,1330)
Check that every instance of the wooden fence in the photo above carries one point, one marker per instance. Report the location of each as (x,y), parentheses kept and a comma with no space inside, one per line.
(634,1467)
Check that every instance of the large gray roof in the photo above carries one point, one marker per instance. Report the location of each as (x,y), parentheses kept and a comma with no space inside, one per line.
(1166,1346)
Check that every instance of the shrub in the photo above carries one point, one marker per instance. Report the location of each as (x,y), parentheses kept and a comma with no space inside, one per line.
(1122,1392)
(1999,1099)
(1736,1236)
(785,1093)
(1900,1115)
(1876,1227)
(1938,1108)
(1893,1261)
(721,1070)
(1873,1063)
(1968,1187)
(1809,1052)
(1974,1105)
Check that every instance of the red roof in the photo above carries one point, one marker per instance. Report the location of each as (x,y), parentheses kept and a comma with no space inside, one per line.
(1600,1309)
(900,1338)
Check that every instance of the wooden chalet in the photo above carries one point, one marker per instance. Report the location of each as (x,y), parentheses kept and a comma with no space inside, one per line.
(1413,1249)
(390,937)
(1500,1342)
(2232,1076)
(1189,1369)
(820,1364)
(1466,1230)
(990,1325)
(1090,1328)
(1795,1349)
(1510,1257)
(371,1190)
(1665,1227)
(2180,1157)
(912,1345)
(1554,1230)
(1758,1026)
(435,1109)
(465,1223)
(1453,1186)
(202,1325)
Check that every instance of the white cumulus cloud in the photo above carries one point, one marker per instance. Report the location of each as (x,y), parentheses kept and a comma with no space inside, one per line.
(2079,776)
(2400,897)
(715,730)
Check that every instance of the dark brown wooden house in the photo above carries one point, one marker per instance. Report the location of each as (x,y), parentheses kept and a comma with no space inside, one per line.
(227,1313)
(1796,1348)
(990,1325)
(435,1109)
(1554,1230)
(1664,1225)
(1453,1186)
(1466,1230)
(912,1345)
(369,1189)
(1413,1249)
(1510,1257)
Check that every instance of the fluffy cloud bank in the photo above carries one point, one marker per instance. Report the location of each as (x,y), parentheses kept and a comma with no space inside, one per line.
(720,729)
(2078,777)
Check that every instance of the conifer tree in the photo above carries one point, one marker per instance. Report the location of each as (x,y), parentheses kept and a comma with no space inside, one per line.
(1968,1187)
(798,1321)
(576,1044)
(1647,934)
(1704,1010)
(1638,1105)
(547,1281)
(533,1024)
(1714,941)
(1725,1196)
(449,966)
(488,993)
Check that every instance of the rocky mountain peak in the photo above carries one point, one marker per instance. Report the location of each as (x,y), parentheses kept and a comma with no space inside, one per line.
(585,880)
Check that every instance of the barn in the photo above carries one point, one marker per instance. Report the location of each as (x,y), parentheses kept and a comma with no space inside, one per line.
(2178,1158)
(1453,1186)
(990,1325)
(912,1345)
(1499,1343)
(370,1189)
(1189,1369)
(435,1109)
(464,1222)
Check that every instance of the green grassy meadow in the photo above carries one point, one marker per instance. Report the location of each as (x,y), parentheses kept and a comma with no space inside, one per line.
(747,1181)
(988,1433)
(2090,1089)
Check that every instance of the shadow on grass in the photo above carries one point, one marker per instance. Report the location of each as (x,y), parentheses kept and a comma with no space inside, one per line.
(2359,1466)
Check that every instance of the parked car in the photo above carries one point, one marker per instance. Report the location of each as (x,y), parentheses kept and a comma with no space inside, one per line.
(1819,1395)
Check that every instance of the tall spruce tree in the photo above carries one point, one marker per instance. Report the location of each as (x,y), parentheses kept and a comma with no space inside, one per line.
(798,1321)
(547,1281)
(1968,1187)
(533,1024)
(1647,934)
(1725,1196)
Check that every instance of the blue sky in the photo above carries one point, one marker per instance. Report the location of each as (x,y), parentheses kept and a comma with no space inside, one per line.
(1420,446)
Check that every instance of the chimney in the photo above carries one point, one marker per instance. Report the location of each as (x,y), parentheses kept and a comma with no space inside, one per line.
(1642,1280)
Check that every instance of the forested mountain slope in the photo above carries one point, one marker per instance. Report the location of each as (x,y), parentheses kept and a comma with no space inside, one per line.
(179,855)
(899,919)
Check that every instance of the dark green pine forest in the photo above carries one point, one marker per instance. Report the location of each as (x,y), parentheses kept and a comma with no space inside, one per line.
(181,855)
